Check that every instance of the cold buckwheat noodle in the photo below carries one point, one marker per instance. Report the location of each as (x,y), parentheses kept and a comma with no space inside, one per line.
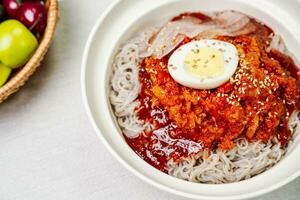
(244,161)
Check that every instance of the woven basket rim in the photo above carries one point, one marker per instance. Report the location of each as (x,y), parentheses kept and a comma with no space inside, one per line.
(26,71)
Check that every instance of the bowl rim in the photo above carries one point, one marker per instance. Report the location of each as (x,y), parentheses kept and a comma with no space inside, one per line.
(123,161)
(19,79)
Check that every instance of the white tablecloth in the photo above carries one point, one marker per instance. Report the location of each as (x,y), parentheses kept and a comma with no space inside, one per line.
(48,149)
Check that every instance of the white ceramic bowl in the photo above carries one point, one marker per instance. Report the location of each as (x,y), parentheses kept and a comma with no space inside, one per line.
(119,23)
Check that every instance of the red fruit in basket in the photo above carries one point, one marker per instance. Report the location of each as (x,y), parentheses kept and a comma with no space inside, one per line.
(33,15)
(31,0)
(11,7)
(2,13)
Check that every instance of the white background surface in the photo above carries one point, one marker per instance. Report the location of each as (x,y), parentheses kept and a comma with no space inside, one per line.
(48,149)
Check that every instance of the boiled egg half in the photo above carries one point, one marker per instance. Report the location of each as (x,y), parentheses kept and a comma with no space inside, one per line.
(203,64)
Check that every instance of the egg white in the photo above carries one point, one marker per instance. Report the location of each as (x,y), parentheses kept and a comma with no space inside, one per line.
(182,76)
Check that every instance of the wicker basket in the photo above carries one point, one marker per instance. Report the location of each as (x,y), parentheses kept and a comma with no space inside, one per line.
(24,73)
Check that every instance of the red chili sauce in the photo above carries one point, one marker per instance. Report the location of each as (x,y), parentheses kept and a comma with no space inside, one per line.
(255,104)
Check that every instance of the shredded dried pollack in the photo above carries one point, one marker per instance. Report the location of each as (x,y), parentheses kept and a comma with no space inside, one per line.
(244,161)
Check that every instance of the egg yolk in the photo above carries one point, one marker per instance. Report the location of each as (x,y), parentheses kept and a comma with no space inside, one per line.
(205,62)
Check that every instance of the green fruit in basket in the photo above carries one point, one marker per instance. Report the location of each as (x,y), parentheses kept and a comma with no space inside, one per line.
(4,74)
(17,43)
